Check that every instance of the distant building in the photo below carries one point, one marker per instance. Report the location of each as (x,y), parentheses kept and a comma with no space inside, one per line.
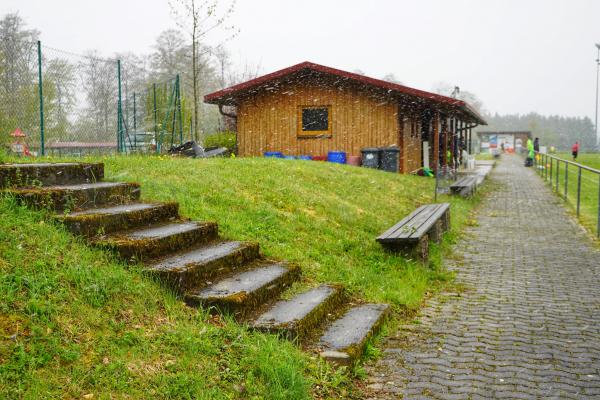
(511,141)
(311,109)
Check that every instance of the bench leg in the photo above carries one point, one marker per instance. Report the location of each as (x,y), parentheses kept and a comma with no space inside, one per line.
(419,250)
(435,233)
(446,221)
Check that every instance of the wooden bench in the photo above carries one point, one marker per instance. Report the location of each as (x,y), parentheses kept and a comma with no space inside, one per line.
(412,234)
(465,186)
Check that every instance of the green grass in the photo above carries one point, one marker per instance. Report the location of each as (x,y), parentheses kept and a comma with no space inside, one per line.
(484,156)
(589,187)
(76,321)
(322,216)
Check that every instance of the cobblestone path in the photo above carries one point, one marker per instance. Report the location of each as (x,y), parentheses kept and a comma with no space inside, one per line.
(528,325)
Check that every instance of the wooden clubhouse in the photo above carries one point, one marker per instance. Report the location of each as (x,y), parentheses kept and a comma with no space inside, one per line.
(311,109)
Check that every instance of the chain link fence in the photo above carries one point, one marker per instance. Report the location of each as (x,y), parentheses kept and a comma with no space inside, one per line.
(59,103)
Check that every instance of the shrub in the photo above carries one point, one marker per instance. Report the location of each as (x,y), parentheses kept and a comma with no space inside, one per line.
(222,139)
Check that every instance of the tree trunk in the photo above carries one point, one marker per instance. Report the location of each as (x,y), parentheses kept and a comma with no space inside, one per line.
(195,71)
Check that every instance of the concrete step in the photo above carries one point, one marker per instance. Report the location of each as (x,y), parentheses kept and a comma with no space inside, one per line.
(79,196)
(345,339)
(244,291)
(200,266)
(157,240)
(296,317)
(106,220)
(46,174)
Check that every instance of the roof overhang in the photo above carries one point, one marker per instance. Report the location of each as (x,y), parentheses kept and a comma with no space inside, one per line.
(234,94)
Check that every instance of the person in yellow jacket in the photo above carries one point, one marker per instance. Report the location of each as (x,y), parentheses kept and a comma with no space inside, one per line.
(530,153)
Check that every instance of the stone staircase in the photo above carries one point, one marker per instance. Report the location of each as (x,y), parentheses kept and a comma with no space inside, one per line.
(191,257)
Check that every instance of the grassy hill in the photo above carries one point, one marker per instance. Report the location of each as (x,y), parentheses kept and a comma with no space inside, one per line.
(76,322)
(321,215)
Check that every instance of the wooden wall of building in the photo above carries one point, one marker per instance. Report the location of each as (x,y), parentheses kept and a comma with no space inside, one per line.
(268,121)
(410,143)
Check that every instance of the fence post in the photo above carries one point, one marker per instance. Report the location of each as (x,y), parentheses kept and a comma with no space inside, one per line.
(551,165)
(566,180)
(41,94)
(179,110)
(134,123)
(578,189)
(155,117)
(119,112)
(557,173)
(598,225)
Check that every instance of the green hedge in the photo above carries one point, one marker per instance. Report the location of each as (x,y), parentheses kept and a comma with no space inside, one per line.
(222,139)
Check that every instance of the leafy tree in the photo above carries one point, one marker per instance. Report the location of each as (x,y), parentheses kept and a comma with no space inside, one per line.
(18,61)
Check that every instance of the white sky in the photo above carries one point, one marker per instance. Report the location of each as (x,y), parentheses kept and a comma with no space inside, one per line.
(516,55)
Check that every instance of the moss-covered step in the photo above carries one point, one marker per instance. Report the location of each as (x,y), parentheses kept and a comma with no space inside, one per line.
(46,174)
(345,339)
(78,196)
(105,220)
(297,316)
(242,292)
(199,267)
(157,240)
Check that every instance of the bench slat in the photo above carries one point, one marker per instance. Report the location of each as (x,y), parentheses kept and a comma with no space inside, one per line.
(395,230)
(434,217)
(415,225)
(424,222)
(462,183)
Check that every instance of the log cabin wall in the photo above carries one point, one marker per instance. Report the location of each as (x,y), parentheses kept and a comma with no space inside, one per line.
(268,119)
(410,144)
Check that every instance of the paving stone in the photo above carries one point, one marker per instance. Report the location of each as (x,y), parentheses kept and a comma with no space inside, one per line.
(528,326)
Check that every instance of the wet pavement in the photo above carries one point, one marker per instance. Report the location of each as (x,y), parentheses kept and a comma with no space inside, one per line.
(528,324)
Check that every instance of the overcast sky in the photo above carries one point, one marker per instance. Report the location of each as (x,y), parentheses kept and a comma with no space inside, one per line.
(516,55)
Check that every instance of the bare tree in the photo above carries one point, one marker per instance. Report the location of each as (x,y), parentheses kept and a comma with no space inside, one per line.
(100,86)
(391,78)
(170,55)
(197,18)
(60,73)
(223,64)
(446,89)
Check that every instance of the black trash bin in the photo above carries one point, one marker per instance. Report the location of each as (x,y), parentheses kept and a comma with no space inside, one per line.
(390,159)
(371,157)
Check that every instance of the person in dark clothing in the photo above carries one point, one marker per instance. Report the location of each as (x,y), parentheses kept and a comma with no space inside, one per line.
(536,145)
